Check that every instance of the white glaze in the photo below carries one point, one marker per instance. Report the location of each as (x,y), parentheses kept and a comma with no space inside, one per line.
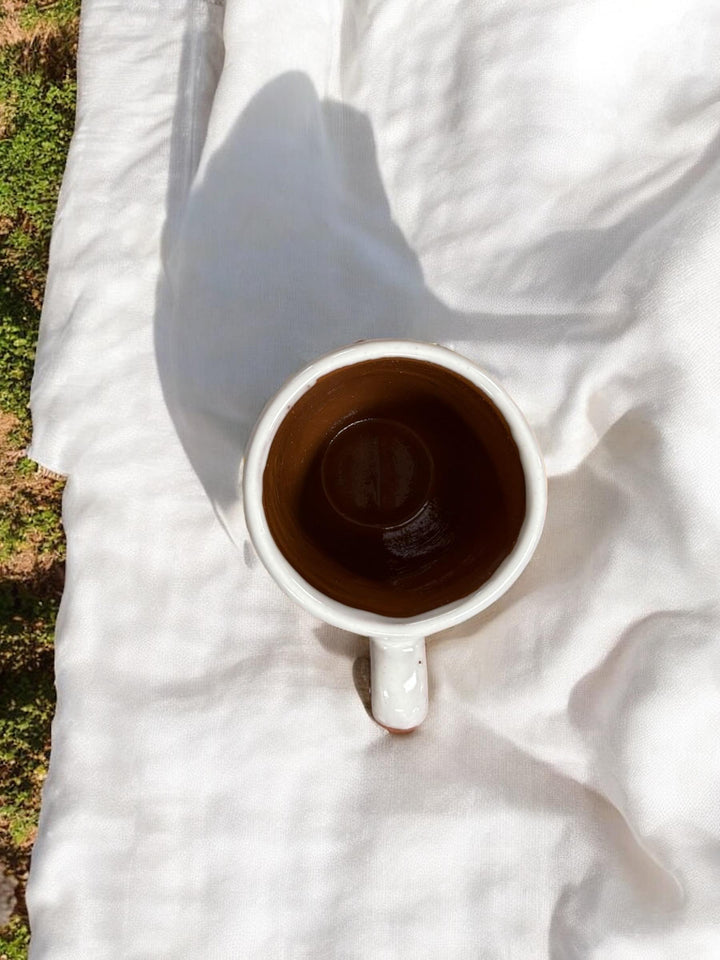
(393,633)
(398,682)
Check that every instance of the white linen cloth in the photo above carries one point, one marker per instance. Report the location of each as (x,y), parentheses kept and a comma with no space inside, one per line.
(535,183)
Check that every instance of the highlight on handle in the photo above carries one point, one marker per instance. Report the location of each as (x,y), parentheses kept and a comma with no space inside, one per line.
(398,682)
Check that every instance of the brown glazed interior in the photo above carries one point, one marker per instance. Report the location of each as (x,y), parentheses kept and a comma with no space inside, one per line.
(394,486)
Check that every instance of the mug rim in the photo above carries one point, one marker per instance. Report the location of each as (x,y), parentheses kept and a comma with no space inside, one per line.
(354,619)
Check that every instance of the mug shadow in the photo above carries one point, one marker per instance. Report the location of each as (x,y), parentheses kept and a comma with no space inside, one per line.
(291,222)
(350,646)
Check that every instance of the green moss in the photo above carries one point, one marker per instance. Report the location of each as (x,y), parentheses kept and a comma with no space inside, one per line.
(55,12)
(26,708)
(15,939)
(39,531)
(27,617)
(37,111)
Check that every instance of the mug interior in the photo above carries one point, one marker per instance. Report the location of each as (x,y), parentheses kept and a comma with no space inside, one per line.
(394,486)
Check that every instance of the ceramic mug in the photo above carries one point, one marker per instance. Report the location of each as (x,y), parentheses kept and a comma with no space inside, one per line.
(379,477)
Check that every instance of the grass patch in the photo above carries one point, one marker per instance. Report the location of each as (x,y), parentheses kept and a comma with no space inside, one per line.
(15,940)
(38,43)
(37,109)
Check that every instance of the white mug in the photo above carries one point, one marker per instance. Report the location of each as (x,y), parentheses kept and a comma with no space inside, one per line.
(398,663)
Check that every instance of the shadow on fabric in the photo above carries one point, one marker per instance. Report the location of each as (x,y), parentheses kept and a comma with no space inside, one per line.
(286,250)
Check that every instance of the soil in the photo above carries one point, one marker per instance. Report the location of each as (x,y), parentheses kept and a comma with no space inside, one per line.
(22,493)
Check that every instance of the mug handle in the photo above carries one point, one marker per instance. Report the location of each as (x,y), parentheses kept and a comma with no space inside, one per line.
(398,682)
